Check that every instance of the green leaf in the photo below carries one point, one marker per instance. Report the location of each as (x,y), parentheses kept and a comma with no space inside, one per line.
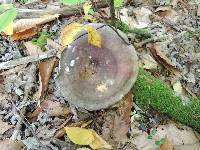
(72,2)
(160,142)
(118,3)
(7,15)
(41,41)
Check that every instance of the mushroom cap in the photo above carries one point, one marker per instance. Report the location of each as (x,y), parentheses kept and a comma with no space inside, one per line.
(94,78)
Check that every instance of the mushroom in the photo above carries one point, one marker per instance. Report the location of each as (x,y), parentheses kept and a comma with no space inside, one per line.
(94,78)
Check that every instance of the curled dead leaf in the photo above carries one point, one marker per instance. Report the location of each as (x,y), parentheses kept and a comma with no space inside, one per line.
(21,35)
(168,145)
(157,53)
(24,24)
(45,69)
(54,109)
(117,122)
(32,49)
(167,13)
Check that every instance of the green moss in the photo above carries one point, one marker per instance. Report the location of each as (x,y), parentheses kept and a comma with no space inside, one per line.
(153,93)
(143,33)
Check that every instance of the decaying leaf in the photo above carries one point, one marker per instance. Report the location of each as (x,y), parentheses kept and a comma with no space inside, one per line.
(55,109)
(52,45)
(24,34)
(117,123)
(179,137)
(161,58)
(167,13)
(83,136)
(32,49)
(10,145)
(142,19)
(45,69)
(98,142)
(168,145)
(79,136)
(94,37)
(24,24)
(4,126)
(68,33)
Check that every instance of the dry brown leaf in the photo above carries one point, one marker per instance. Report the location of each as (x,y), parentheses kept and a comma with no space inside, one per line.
(4,126)
(167,13)
(157,53)
(180,138)
(32,49)
(24,24)
(168,145)
(55,109)
(12,71)
(21,35)
(53,45)
(45,69)
(10,145)
(117,123)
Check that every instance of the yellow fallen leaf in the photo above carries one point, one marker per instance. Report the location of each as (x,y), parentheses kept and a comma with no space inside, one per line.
(89,137)
(99,142)
(9,29)
(94,37)
(79,136)
(68,34)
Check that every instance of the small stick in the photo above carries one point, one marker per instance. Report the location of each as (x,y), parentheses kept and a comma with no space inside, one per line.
(25,60)
(64,11)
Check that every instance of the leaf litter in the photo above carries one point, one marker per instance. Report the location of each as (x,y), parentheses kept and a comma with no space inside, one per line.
(22,84)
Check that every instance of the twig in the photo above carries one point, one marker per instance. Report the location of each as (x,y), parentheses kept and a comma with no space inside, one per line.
(27,124)
(153,39)
(25,60)
(64,11)
(19,124)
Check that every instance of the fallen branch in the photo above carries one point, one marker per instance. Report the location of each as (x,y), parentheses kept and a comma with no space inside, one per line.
(65,11)
(25,60)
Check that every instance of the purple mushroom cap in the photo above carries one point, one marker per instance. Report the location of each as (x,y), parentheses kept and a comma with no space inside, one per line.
(94,78)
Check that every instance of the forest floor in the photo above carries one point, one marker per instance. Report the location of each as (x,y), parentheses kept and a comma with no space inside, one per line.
(33,112)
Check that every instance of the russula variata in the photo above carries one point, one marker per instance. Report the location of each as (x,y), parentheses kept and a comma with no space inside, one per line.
(94,78)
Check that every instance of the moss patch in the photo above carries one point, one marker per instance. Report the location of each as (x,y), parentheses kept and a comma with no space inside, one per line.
(153,93)
(143,33)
